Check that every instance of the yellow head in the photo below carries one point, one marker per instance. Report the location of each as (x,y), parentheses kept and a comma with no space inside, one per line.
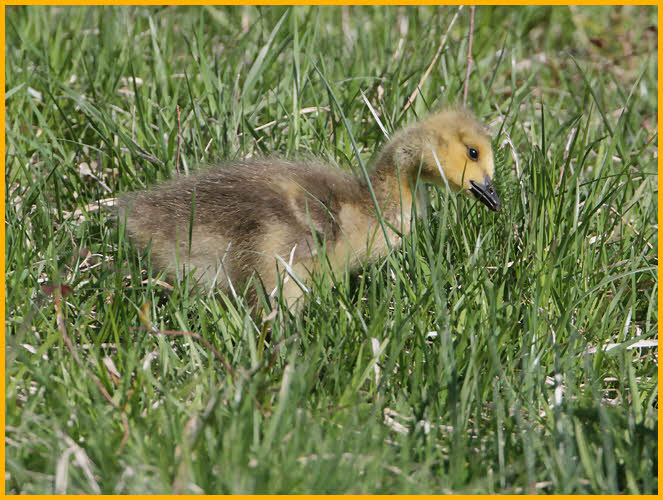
(457,144)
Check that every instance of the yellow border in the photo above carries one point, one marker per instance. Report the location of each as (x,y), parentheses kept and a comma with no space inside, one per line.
(320,2)
(660,245)
(2,237)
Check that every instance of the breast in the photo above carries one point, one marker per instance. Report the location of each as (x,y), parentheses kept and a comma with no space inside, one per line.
(361,237)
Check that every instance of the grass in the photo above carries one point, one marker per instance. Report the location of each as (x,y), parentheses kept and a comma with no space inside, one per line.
(492,353)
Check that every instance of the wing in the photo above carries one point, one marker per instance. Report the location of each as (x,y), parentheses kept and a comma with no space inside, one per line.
(317,227)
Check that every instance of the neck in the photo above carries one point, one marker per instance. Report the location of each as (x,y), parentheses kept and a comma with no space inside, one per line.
(393,184)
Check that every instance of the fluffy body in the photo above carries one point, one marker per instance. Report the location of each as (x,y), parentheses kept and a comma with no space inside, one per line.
(247,219)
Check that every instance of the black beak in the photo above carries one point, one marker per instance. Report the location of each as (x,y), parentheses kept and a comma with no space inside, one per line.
(486,194)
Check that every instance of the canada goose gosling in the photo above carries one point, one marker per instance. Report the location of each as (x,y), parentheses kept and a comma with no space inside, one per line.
(269,217)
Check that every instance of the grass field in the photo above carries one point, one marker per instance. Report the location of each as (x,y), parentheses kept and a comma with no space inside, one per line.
(514,352)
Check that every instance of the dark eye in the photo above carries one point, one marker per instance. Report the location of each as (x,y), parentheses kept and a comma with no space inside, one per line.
(473,154)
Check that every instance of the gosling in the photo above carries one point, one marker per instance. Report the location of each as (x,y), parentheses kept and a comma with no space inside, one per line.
(269,218)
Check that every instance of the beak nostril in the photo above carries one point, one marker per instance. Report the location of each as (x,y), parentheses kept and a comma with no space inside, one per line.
(486,194)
